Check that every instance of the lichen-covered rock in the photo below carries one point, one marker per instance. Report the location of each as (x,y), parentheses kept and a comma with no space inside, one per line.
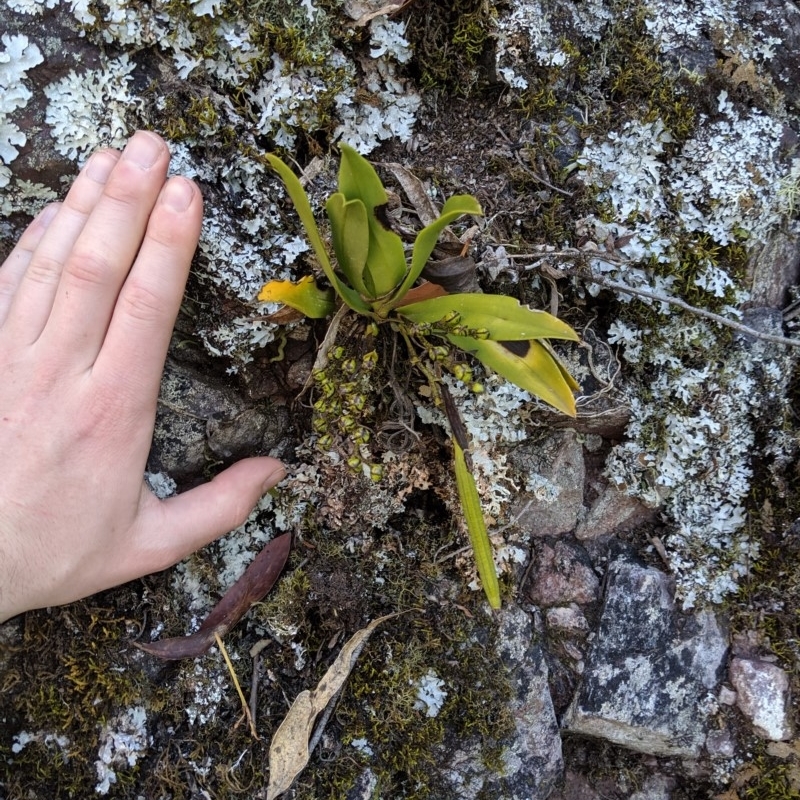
(554,473)
(531,758)
(612,511)
(763,697)
(200,420)
(650,677)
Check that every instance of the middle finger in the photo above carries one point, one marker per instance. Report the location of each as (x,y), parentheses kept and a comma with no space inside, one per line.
(105,249)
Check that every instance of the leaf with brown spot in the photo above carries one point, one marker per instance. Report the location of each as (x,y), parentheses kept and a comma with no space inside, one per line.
(256,581)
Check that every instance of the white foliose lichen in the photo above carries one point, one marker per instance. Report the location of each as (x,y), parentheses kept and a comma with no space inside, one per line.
(50,740)
(431,694)
(691,435)
(493,418)
(728,175)
(91,108)
(689,450)
(392,109)
(674,29)
(207,686)
(123,741)
(523,34)
(17,56)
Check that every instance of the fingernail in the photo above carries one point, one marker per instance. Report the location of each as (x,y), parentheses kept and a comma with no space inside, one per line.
(178,193)
(99,166)
(144,149)
(47,215)
(274,478)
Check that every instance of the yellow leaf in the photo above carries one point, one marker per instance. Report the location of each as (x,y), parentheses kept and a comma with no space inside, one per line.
(530,365)
(304,295)
(288,751)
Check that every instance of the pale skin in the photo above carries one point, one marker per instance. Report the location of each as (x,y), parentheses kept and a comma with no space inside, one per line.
(88,298)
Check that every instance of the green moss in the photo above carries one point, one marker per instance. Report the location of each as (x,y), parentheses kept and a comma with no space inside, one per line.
(450,40)
(379,706)
(636,83)
(72,673)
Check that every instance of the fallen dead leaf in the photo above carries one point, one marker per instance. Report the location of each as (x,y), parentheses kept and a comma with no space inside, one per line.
(256,581)
(288,752)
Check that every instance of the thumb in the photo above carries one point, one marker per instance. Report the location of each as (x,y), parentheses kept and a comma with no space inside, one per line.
(193,519)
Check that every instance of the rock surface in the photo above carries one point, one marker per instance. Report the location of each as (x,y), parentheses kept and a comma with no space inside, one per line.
(200,420)
(532,760)
(650,677)
(763,696)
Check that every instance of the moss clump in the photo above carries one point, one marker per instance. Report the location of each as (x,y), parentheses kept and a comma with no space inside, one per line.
(451,41)
(69,675)
(380,710)
(634,79)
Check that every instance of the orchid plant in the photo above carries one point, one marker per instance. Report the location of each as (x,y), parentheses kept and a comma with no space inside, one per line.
(375,280)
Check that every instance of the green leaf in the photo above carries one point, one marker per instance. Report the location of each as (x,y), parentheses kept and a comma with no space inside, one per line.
(301,204)
(358,179)
(386,263)
(426,239)
(502,316)
(304,295)
(386,259)
(476,525)
(350,234)
(530,365)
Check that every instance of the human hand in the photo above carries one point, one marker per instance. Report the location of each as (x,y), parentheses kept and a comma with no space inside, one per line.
(88,298)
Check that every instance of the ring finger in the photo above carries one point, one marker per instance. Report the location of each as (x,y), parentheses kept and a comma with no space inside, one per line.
(32,301)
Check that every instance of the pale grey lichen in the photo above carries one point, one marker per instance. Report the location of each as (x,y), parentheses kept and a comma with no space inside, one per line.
(431,694)
(17,57)
(123,741)
(675,31)
(91,108)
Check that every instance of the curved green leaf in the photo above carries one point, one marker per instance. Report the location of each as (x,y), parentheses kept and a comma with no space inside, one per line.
(303,207)
(476,525)
(426,239)
(350,235)
(386,263)
(304,295)
(386,259)
(530,365)
(502,316)
(358,179)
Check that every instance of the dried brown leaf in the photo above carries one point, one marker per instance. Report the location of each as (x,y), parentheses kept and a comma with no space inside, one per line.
(256,581)
(288,752)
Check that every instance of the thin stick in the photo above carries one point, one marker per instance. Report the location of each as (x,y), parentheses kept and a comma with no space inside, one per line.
(245,707)
(700,312)
(673,301)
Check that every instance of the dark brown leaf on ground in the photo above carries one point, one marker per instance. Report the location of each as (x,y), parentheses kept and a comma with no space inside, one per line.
(256,581)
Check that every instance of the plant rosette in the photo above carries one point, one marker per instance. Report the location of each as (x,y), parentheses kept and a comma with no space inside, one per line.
(376,281)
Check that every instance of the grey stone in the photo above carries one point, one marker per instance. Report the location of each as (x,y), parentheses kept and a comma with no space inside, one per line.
(576,787)
(720,744)
(364,787)
(561,573)
(554,472)
(763,696)
(650,676)
(655,787)
(567,618)
(612,511)
(199,419)
(773,268)
(533,760)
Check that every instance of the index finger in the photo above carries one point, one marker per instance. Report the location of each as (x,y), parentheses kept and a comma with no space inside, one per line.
(138,336)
